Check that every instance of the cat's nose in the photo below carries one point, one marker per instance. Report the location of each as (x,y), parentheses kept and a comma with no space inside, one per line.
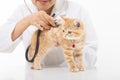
(69,32)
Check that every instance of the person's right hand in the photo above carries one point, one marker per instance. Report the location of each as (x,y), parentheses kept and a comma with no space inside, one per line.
(41,20)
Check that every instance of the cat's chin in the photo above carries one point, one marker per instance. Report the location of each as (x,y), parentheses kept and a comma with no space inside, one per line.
(72,38)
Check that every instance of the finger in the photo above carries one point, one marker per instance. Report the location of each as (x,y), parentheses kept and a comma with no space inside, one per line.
(39,27)
(43,18)
(44,25)
(50,20)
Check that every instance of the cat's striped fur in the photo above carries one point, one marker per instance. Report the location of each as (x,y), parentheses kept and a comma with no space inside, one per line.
(70,35)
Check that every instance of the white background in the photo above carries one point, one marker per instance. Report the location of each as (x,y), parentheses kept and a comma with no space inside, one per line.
(105,15)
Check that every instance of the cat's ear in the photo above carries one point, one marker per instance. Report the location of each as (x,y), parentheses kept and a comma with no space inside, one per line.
(77,23)
(59,21)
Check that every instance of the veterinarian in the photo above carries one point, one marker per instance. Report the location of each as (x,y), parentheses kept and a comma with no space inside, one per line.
(29,17)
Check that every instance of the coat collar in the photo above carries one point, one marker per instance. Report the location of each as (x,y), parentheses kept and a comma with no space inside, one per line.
(59,8)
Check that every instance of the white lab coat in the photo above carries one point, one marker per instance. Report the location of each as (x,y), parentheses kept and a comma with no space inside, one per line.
(55,56)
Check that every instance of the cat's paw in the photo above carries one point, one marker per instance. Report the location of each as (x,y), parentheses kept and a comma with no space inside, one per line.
(74,69)
(81,68)
(36,67)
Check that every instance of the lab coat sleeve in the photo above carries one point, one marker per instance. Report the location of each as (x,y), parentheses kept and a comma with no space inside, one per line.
(6,43)
(90,49)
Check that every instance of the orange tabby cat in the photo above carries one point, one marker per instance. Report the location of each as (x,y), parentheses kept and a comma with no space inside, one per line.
(70,35)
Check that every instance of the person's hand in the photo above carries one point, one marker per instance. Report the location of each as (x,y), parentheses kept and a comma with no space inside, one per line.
(41,20)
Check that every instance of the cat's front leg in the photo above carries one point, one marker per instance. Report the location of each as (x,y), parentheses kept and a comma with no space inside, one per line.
(36,64)
(69,59)
(78,58)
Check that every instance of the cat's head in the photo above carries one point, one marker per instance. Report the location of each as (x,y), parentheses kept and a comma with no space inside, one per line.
(70,28)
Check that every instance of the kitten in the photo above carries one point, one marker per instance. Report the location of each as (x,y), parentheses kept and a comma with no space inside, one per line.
(70,34)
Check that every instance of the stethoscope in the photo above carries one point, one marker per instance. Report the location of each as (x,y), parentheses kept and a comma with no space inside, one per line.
(27,6)
(37,39)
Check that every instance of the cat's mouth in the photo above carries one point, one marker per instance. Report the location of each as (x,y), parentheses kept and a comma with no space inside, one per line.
(72,38)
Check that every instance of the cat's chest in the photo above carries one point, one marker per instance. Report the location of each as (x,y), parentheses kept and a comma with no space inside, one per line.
(76,45)
(73,46)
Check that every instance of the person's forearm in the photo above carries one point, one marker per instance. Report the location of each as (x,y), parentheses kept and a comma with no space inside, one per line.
(20,27)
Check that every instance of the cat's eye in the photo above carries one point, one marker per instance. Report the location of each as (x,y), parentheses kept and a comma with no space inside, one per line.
(63,30)
(77,24)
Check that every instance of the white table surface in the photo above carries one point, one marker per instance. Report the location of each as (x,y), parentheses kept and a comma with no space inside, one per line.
(15,72)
